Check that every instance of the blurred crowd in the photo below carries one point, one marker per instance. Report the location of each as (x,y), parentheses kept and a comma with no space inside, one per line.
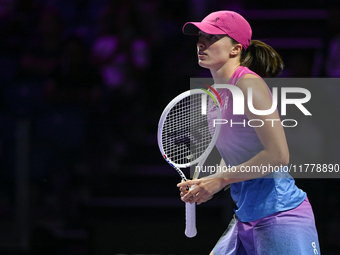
(78,72)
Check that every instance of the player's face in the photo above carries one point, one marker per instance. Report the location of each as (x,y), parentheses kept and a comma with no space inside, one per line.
(213,50)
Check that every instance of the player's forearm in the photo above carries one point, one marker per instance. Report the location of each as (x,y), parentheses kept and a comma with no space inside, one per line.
(256,167)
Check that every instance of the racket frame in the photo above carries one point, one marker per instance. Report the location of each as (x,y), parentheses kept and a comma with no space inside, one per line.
(190,230)
(163,118)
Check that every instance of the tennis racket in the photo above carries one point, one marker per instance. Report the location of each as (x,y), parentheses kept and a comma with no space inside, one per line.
(186,135)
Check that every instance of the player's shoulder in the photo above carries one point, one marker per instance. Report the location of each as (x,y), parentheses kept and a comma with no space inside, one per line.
(250,80)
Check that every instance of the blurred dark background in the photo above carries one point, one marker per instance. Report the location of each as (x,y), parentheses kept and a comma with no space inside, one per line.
(82,87)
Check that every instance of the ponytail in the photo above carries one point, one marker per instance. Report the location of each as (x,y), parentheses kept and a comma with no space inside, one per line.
(262,59)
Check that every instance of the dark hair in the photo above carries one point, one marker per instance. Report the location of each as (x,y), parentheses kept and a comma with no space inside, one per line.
(261,59)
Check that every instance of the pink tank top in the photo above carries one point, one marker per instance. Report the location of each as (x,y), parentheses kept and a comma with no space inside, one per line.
(238,142)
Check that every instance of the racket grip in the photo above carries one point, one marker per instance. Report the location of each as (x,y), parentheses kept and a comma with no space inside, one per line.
(190,220)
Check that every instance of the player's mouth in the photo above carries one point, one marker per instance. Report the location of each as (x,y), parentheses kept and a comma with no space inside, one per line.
(201,54)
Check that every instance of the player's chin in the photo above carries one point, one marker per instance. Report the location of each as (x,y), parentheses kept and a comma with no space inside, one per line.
(203,63)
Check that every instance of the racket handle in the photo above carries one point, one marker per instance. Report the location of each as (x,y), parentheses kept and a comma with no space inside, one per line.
(190,220)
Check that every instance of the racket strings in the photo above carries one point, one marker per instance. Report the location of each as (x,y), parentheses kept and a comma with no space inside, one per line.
(187,132)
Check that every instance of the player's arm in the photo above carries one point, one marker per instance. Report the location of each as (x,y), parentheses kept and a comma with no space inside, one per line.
(271,134)
(218,189)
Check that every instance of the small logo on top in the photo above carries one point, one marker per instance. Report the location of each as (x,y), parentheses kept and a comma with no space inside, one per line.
(215,20)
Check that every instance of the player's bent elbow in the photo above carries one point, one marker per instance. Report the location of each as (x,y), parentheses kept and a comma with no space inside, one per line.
(282,159)
(285,161)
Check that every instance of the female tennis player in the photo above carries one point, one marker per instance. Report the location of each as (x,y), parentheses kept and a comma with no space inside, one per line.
(272,215)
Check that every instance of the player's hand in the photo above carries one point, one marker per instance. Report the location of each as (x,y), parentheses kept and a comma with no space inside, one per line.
(204,189)
(183,190)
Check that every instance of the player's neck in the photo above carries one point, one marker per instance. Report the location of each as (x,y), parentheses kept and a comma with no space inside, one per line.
(224,73)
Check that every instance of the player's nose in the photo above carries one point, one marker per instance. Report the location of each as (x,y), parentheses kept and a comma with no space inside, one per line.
(200,44)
